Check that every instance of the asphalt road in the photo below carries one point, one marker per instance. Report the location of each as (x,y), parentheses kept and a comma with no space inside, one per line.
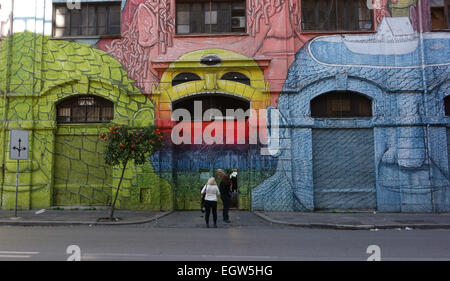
(182,237)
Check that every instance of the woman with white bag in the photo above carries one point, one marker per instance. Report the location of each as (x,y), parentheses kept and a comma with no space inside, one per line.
(211,192)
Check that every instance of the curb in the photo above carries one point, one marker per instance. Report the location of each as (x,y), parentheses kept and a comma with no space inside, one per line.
(90,223)
(352,227)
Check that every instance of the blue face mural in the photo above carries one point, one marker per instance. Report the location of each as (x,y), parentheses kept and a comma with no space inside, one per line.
(396,160)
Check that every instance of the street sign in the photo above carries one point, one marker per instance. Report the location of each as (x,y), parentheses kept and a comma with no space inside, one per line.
(18,150)
(18,145)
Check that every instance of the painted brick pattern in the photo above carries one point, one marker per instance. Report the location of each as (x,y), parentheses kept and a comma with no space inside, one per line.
(408,124)
(65,166)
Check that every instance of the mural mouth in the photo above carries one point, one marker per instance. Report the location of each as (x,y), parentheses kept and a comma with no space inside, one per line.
(209,107)
(214,97)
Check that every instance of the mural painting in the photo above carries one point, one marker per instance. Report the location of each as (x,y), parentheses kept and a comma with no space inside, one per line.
(187,161)
(391,158)
(406,151)
(149,39)
(416,10)
(66,163)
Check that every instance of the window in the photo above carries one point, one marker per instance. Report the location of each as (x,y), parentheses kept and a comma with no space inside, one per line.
(447,106)
(236,77)
(210,16)
(85,109)
(336,15)
(92,19)
(184,78)
(341,105)
(440,14)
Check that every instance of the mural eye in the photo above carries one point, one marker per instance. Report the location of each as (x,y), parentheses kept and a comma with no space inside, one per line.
(211,60)
(184,78)
(236,77)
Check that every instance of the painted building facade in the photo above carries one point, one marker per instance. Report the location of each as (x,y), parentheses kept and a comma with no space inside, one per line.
(360,103)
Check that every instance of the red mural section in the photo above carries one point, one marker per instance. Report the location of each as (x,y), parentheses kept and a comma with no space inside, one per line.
(381,10)
(148,38)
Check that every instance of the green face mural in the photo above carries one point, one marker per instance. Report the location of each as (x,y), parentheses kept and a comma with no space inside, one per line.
(65,165)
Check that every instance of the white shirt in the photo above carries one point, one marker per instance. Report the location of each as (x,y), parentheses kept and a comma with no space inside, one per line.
(211,192)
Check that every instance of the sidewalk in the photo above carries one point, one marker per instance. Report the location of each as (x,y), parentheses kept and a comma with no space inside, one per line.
(77,217)
(340,220)
(358,220)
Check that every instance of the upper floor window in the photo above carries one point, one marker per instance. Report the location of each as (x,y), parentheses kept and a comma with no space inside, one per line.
(341,105)
(440,14)
(210,16)
(91,19)
(336,15)
(85,109)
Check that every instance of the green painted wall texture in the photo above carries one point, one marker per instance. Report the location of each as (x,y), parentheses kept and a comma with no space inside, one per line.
(65,165)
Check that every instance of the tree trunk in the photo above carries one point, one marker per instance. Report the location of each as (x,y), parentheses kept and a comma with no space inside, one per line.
(111,214)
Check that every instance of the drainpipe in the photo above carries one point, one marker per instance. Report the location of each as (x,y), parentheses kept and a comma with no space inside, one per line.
(424,95)
(5,97)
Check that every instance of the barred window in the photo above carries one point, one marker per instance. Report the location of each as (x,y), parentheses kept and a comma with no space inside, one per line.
(440,14)
(341,105)
(85,109)
(210,16)
(336,15)
(91,19)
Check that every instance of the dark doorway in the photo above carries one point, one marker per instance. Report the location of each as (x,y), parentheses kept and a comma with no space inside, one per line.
(233,173)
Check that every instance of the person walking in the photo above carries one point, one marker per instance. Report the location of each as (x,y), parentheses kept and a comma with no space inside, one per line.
(211,191)
(226,195)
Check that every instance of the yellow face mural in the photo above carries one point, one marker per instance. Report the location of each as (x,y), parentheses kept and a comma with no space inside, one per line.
(210,71)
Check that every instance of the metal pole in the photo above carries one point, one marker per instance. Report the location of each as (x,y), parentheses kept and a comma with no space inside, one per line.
(17,188)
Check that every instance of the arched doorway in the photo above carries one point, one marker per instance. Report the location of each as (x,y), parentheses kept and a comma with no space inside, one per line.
(220,79)
(343,153)
(81,176)
(195,162)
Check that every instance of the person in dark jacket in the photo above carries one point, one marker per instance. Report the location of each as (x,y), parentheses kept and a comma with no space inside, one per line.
(211,191)
(233,177)
(225,195)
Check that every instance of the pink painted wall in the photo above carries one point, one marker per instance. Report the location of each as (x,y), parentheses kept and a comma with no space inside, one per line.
(148,36)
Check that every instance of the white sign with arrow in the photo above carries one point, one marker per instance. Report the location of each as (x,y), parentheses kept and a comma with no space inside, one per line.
(18,150)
